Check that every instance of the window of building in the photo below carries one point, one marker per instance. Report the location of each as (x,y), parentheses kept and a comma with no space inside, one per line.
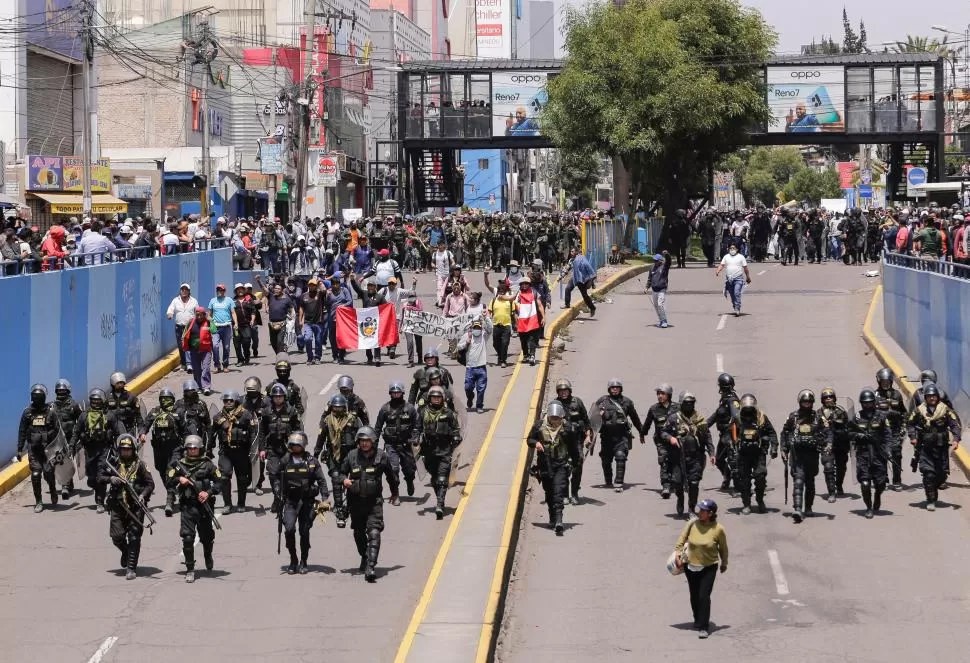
(483,164)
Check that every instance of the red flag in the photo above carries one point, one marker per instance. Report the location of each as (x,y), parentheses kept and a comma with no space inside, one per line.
(366,328)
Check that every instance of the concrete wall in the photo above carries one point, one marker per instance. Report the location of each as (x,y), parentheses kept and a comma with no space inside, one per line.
(927,314)
(83,324)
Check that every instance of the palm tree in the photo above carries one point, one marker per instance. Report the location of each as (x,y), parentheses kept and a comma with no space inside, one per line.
(927,45)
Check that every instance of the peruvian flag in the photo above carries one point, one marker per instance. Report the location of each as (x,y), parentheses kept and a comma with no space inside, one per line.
(366,328)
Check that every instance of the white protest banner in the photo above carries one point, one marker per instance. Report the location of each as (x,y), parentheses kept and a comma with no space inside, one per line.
(425,323)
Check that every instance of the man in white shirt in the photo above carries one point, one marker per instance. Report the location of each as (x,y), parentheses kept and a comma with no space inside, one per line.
(182,309)
(736,276)
(442,260)
(475,342)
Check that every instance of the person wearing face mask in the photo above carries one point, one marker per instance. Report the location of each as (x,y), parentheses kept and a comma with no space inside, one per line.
(475,342)
(338,295)
(689,438)
(930,428)
(368,298)
(804,437)
(555,453)
(311,320)
(735,267)
(529,316)
(872,435)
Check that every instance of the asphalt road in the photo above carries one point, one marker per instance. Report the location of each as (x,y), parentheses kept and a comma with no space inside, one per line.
(841,588)
(64,596)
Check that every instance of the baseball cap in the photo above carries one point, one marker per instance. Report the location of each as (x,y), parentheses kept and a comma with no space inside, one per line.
(657,257)
(186,286)
(248,285)
(221,286)
(383,252)
(237,286)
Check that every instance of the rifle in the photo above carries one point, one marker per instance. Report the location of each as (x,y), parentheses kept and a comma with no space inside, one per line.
(279,527)
(784,459)
(181,472)
(135,497)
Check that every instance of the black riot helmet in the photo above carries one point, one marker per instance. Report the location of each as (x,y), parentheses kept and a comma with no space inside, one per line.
(687,403)
(564,385)
(283,369)
(884,378)
(38,395)
(749,406)
(929,375)
(396,390)
(96,399)
(296,439)
(345,385)
(930,390)
(828,394)
(190,391)
(614,383)
(725,382)
(867,399)
(338,402)
(277,391)
(62,389)
(806,398)
(435,374)
(253,386)
(166,398)
(126,446)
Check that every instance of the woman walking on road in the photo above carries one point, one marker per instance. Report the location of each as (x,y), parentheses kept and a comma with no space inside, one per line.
(706,548)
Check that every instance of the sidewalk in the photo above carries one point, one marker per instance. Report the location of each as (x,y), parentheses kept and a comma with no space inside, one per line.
(455,616)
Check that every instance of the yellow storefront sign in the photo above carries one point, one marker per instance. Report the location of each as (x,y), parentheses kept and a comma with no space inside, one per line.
(74,175)
(66,203)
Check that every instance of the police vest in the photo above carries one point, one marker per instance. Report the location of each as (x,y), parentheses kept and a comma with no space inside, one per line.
(397,422)
(837,418)
(95,428)
(614,415)
(891,403)
(552,442)
(749,434)
(805,435)
(935,431)
(230,432)
(299,477)
(437,425)
(67,414)
(341,434)
(40,426)
(688,430)
(194,419)
(871,429)
(365,480)
(660,416)
(279,425)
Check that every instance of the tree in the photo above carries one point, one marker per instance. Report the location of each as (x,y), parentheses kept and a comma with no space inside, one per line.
(667,86)
(850,40)
(863,38)
(916,44)
(812,185)
(760,186)
(576,171)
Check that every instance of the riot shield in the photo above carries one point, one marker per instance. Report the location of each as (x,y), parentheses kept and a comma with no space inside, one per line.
(849,407)
(303,398)
(462,415)
(595,423)
(288,339)
(59,459)
(80,461)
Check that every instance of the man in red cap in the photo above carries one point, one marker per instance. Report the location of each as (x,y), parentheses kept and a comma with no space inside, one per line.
(385,268)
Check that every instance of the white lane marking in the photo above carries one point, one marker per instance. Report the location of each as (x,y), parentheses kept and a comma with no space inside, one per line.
(329,385)
(762,272)
(719,362)
(722,322)
(103,649)
(781,585)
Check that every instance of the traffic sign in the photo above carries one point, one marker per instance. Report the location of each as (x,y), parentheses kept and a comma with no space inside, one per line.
(915,176)
(865,191)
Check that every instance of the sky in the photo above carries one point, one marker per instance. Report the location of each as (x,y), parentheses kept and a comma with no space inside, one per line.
(886,20)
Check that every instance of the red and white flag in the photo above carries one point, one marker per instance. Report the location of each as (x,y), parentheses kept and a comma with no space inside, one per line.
(366,328)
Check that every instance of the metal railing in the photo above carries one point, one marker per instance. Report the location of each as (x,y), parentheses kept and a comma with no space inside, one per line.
(28,266)
(600,235)
(923,264)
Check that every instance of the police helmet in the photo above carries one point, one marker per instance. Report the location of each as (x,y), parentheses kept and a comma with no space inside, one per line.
(867,396)
(366,433)
(556,409)
(929,375)
(725,381)
(564,384)
(117,378)
(192,442)
(277,390)
(431,352)
(166,394)
(930,389)
(96,398)
(884,375)
(707,505)
(688,397)
(614,382)
(395,387)
(435,374)
(252,385)
(828,392)
(231,395)
(38,393)
(282,366)
(748,403)
(62,387)
(345,382)
(436,391)
(189,387)
(806,395)
(126,441)
(296,439)
(338,400)
(665,388)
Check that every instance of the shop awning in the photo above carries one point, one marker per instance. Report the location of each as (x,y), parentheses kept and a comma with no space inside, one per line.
(73,203)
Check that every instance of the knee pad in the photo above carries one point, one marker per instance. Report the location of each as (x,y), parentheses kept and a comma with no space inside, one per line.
(35,476)
(864,484)
(620,455)
(188,541)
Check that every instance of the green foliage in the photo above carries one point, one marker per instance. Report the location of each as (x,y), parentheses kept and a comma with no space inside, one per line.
(760,186)
(852,41)
(813,185)
(575,171)
(668,86)
(916,44)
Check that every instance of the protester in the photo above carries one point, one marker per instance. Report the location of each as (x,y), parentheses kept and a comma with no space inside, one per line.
(502,310)
(223,312)
(474,343)
(583,275)
(736,276)
(657,281)
(529,313)
(413,340)
(706,548)
(182,309)
(197,341)
(311,319)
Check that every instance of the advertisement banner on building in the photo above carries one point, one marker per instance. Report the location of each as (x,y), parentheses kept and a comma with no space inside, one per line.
(53,173)
(74,175)
(494,28)
(271,156)
(324,168)
(53,25)
(806,99)
(517,101)
(846,173)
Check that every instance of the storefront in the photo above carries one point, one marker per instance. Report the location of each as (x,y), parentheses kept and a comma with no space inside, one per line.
(54,189)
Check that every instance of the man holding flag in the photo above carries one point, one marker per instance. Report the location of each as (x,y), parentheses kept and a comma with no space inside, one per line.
(371,327)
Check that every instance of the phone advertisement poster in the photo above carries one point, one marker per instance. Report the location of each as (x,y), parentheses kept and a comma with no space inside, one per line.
(517,101)
(806,99)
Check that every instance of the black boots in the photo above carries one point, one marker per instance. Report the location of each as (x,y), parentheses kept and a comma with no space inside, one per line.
(867,499)
(693,490)
(291,548)
(373,550)
(207,555)
(304,554)
(241,500)
(133,550)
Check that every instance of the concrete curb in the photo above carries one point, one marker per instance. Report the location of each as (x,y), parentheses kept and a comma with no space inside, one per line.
(890,362)
(13,474)
(495,607)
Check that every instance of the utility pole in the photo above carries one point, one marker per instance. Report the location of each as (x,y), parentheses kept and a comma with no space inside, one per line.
(87,57)
(206,50)
(304,101)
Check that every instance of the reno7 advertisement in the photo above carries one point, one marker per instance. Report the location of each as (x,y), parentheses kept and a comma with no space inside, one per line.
(517,101)
(806,99)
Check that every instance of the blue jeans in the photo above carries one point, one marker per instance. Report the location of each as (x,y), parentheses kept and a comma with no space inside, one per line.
(836,248)
(734,287)
(476,379)
(201,365)
(313,338)
(223,337)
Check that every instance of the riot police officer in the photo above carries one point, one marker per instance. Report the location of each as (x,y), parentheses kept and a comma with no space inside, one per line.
(554,455)
(440,434)
(872,435)
(355,404)
(689,437)
(756,438)
(804,437)
(68,412)
(420,384)
(125,405)
(193,414)
(616,413)
(435,378)
(577,431)
(725,417)
(254,402)
(657,417)
(39,426)
(196,481)
(337,436)
(397,422)
(301,479)
(276,422)
(167,435)
(361,476)
(835,456)
(930,427)
(96,431)
(929,376)
(891,403)
(235,428)
(127,516)
(293,393)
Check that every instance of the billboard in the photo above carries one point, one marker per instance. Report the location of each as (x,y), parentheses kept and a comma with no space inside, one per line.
(517,100)
(805,99)
(493,28)
(53,173)
(54,25)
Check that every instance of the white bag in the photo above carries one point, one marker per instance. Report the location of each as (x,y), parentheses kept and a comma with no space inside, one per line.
(289,336)
(675,564)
